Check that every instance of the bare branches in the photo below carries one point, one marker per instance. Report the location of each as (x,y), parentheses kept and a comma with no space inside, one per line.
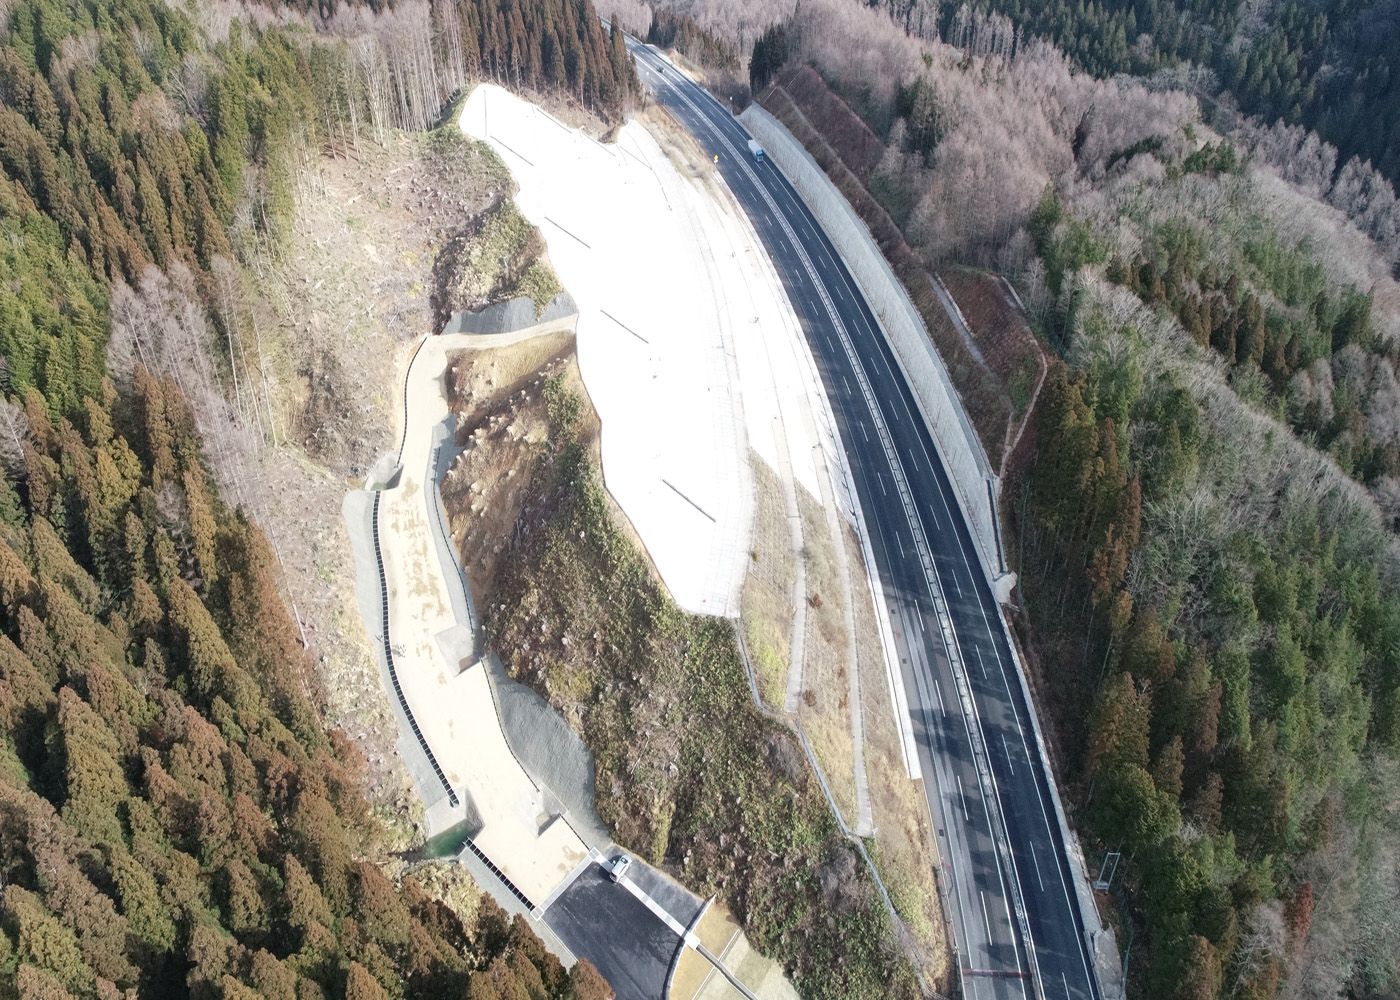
(1368,199)
(740,20)
(14,434)
(161,326)
(634,15)
(982,33)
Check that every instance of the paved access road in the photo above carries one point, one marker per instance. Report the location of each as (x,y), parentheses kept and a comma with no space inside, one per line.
(988,788)
(631,930)
(600,920)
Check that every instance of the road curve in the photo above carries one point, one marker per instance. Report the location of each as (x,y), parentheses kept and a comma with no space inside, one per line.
(1015,919)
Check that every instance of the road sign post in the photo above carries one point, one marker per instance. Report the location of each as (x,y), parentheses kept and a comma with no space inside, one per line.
(1107,870)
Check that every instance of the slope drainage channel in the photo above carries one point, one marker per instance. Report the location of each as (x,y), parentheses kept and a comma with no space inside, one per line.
(393,671)
(453,800)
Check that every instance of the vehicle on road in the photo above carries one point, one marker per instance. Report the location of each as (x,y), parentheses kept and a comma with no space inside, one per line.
(756,151)
(1014,909)
(620,864)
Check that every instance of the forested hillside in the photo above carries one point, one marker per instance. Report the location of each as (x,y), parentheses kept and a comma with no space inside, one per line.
(1333,68)
(175,818)
(1203,515)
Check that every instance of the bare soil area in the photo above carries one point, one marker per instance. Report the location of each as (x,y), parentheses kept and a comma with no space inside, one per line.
(498,395)
(503,416)
(322,327)
(859,148)
(357,280)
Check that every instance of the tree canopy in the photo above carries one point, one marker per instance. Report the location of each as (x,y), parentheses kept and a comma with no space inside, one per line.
(175,819)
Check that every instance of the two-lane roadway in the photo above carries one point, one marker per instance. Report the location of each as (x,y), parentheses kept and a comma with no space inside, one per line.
(1015,917)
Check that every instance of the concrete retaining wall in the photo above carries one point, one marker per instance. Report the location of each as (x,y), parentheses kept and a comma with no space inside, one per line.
(517,317)
(942,410)
(974,482)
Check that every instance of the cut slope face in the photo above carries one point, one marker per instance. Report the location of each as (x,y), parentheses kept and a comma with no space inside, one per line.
(660,308)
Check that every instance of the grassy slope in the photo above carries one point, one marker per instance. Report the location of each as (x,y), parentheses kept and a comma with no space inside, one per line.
(689,774)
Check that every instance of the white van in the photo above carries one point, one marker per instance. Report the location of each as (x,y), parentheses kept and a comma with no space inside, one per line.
(620,864)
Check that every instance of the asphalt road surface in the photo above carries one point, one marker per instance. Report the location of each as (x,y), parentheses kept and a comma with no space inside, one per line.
(601,921)
(987,786)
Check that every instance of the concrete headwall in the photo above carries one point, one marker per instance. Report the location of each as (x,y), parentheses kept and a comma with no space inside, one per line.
(962,453)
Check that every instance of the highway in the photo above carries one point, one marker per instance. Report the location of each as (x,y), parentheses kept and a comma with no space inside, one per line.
(1014,918)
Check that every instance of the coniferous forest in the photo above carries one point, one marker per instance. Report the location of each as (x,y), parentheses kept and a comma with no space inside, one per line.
(175,818)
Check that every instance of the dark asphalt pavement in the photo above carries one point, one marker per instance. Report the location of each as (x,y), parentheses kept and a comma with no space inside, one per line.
(987,785)
(683,905)
(604,923)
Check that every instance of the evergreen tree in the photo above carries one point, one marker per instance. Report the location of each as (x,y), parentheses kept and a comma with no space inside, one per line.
(174,820)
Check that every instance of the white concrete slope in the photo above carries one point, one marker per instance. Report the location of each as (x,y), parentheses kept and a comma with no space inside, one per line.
(692,353)
(679,317)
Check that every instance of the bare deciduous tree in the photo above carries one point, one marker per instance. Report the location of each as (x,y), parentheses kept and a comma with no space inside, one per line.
(1369,200)
(161,325)
(14,434)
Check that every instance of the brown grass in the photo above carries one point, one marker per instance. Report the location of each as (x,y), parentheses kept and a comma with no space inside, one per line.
(765,605)
(824,708)
(857,145)
(1004,338)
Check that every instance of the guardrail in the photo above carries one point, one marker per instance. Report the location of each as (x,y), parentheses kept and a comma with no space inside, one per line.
(403,436)
(505,879)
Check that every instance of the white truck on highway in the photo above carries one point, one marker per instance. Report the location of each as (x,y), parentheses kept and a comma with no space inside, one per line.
(756,151)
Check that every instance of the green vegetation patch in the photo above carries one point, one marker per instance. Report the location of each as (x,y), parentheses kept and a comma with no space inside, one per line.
(540,284)
(500,256)
(688,774)
(1219,597)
